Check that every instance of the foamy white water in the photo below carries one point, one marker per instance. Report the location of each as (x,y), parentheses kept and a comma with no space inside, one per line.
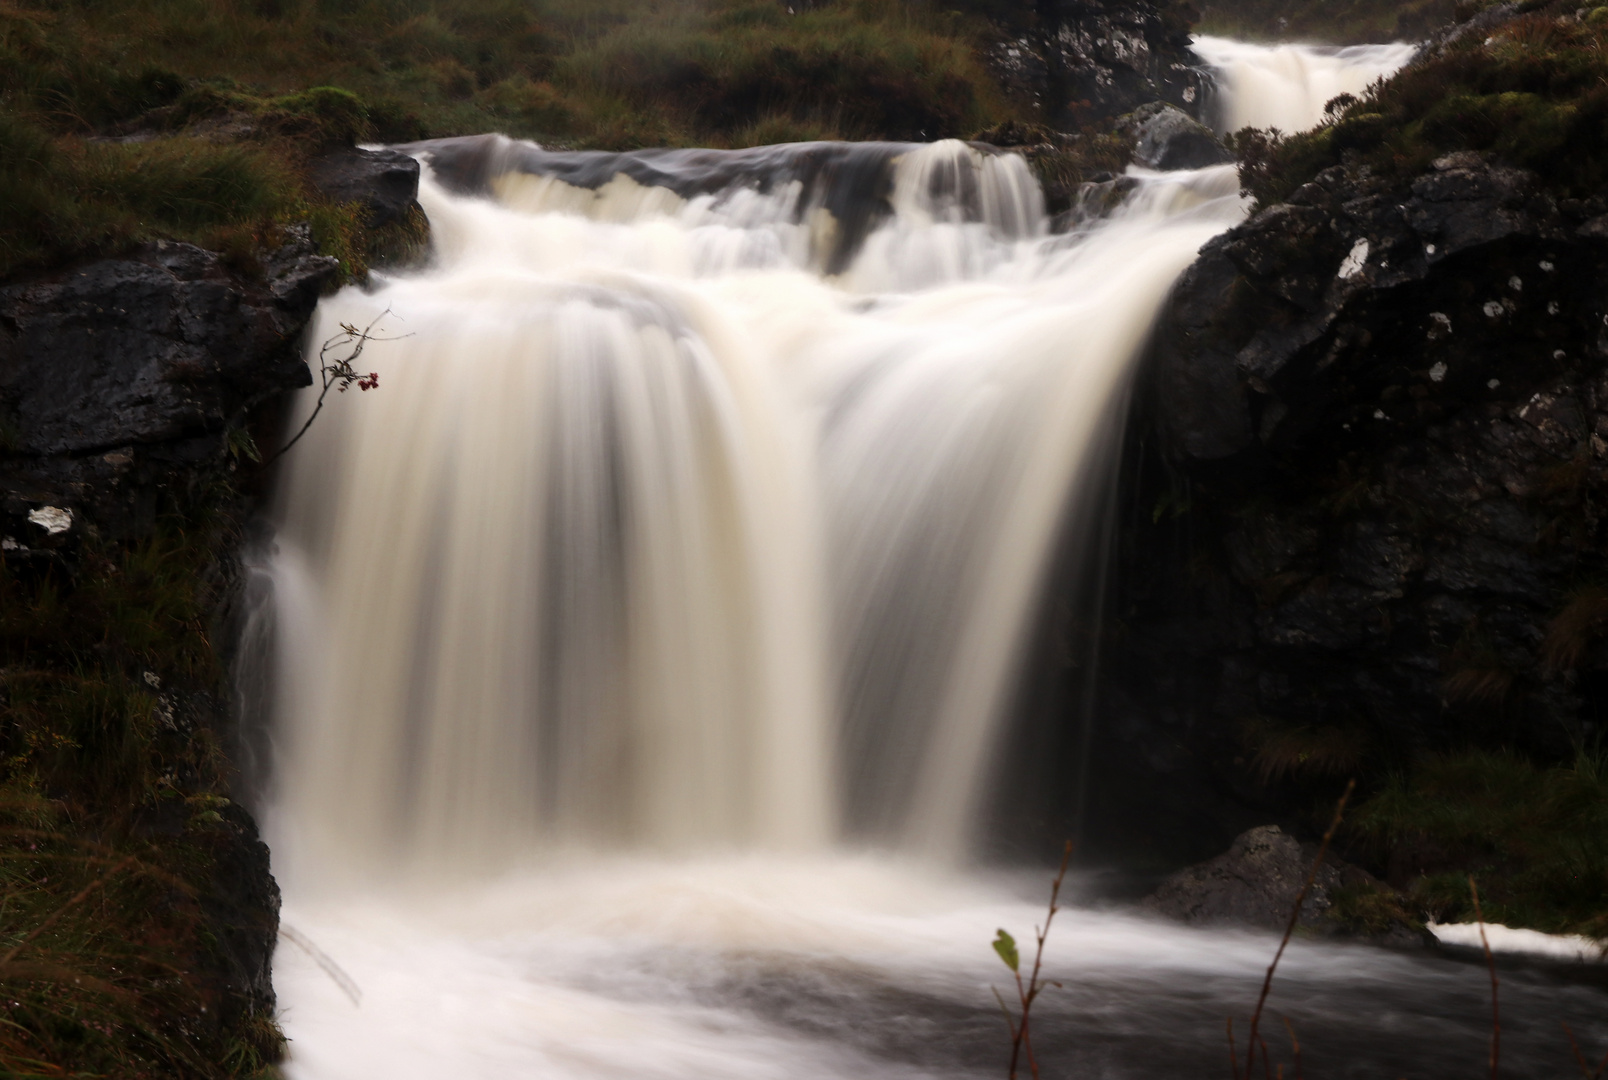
(1287,86)
(644,640)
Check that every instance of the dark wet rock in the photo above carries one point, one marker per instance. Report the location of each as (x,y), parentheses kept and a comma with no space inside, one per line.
(1087,62)
(121,382)
(1166,137)
(242,911)
(384,182)
(1256,882)
(119,378)
(1366,477)
(161,345)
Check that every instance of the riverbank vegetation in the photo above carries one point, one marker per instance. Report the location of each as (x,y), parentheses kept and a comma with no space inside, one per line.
(1533,92)
(121,903)
(192,120)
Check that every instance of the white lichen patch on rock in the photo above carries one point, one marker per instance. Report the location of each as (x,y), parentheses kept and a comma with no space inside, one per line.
(53,519)
(1355,261)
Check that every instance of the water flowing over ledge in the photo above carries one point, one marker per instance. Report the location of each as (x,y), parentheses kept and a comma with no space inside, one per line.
(645,642)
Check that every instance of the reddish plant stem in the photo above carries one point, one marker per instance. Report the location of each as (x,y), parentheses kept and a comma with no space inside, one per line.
(1289,929)
(1580,1059)
(1296,1043)
(1490,963)
(1021,1035)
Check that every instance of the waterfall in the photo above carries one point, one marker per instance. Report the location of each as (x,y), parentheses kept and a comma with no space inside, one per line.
(662,608)
(1287,86)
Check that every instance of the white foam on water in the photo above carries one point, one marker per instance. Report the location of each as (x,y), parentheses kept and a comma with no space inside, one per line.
(1508,939)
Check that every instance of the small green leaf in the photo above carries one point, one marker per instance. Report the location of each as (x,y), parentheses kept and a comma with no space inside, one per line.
(1005,945)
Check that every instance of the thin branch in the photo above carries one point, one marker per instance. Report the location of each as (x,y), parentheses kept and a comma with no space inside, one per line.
(82,895)
(1296,1043)
(340,373)
(1034,986)
(1295,917)
(1490,963)
(1580,1059)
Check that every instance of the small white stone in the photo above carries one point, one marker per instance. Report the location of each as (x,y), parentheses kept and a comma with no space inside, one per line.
(1494,383)
(9,544)
(1443,324)
(53,519)
(1379,414)
(1493,309)
(1552,307)
(1346,426)
(1437,373)
(153,680)
(1429,249)
(1515,284)
(1558,354)
(1355,261)
(1547,266)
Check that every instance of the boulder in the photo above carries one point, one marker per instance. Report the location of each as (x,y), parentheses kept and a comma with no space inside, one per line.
(384,182)
(1256,882)
(121,377)
(1087,62)
(152,347)
(1169,138)
(1368,465)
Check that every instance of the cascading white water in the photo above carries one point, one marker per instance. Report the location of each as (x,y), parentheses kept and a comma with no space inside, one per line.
(1287,86)
(656,537)
(647,633)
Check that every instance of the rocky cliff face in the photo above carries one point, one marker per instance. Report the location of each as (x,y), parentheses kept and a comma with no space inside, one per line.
(124,385)
(1364,513)
(1085,62)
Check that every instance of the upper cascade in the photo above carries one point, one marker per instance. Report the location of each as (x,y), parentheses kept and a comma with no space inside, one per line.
(822,198)
(1287,86)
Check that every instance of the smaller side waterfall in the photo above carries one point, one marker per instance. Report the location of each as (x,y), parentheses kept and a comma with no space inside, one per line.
(1287,86)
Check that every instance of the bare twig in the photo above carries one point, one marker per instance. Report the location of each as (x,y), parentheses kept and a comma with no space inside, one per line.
(78,898)
(1296,1043)
(1490,963)
(339,372)
(1289,929)
(1580,1059)
(1028,992)
(319,957)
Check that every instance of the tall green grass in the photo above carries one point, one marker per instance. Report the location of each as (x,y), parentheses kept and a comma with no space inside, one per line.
(1535,837)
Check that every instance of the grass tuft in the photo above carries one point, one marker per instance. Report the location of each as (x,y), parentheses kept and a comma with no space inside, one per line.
(1535,836)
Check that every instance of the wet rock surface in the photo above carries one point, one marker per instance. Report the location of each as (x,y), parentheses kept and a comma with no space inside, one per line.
(1365,500)
(124,383)
(120,377)
(1256,882)
(1084,62)
(1168,138)
(384,182)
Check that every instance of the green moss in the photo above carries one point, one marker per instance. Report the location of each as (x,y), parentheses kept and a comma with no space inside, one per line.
(1369,909)
(1534,837)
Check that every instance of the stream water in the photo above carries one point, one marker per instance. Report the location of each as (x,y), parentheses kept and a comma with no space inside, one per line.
(643,643)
